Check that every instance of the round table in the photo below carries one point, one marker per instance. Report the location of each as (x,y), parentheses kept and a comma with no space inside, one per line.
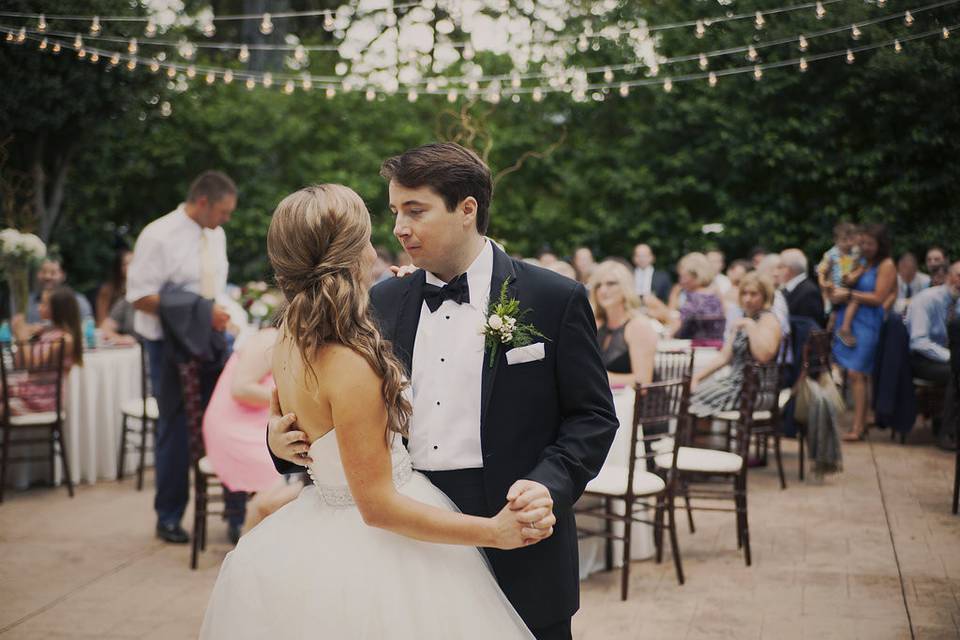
(92,399)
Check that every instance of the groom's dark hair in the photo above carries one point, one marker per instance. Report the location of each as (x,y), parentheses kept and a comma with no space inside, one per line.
(449,169)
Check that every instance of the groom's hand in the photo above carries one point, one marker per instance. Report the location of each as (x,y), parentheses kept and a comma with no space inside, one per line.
(286,442)
(533,506)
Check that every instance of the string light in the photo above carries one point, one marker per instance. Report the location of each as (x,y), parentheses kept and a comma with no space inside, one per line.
(328,22)
(608,75)
(751,53)
(897,47)
(758,21)
(855,32)
(288,87)
(712,79)
(9,37)
(330,92)
(251,83)
(452,95)
(268,80)
(228,76)
(211,77)
(42,23)
(946,33)
(191,72)
(624,90)
(94,57)
(803,64)
(881,3)
(244,54)
(515,81)
(43,44)
(701,29)
(22,35)
(56,47)
(171,72)
(166,109)
(803,43)
(300,53)
(668,85)
(266,25)
(704,63)
(81,53)
(850,57)
(412,95)
(131,64)
(370,95)
(908,18)
(115,59)
(209,29)
(95,26)
(537,94)
(154,66)
(151,28)
(78,42)
(307,82)
(132,46)
(820,11)
(757,72)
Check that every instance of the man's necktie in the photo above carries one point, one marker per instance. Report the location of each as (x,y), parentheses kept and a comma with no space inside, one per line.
(909,293)
(457,290)
(208,288)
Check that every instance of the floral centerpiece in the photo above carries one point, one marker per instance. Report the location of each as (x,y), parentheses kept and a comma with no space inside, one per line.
(19,253)
(260,302)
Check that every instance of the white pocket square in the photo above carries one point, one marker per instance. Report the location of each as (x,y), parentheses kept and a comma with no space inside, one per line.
(529,353)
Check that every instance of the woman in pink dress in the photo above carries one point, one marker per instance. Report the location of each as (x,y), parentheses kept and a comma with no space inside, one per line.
(234,431)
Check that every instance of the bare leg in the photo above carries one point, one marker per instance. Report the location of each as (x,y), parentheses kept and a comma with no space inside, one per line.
(858,384)
(845,332)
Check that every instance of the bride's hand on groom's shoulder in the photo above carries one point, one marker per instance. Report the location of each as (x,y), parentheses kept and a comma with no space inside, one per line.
(403,271)
(285,441)
(532,506)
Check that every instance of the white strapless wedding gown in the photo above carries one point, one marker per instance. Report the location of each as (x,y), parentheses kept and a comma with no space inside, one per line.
(313,569)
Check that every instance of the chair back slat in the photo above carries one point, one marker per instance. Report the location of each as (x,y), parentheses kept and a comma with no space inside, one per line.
(656,403)
(35,365)
(760,392)
(673,365)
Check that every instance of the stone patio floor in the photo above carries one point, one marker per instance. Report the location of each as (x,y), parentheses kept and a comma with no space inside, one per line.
(873,552)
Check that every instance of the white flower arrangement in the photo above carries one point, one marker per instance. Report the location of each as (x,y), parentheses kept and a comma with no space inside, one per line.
(21,249)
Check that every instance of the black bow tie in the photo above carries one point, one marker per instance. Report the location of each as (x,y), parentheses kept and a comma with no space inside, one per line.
(457,290)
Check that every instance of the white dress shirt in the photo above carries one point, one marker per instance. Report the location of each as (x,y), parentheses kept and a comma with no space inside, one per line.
(448,374)
(643,280)
(168,253)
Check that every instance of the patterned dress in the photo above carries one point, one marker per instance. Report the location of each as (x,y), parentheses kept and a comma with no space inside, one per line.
(723,394)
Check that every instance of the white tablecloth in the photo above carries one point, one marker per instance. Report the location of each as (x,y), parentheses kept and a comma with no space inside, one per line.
(94,393)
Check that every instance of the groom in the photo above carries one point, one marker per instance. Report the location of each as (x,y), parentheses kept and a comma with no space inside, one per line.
(531,426)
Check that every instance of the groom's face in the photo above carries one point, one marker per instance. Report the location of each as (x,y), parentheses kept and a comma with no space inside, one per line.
(432,235)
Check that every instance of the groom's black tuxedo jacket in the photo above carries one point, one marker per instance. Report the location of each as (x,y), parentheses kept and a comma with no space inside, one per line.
(551,421)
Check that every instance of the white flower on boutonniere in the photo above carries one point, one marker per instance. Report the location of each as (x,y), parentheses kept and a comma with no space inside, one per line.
(503,326)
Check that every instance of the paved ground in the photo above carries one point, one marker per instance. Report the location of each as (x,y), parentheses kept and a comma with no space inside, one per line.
(871,553)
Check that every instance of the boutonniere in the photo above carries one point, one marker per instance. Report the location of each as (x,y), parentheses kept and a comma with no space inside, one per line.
(503,325)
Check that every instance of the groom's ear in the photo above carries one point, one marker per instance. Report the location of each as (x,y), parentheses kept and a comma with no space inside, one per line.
(469,207)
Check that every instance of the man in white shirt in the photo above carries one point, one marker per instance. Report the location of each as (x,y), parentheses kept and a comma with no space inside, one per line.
(910,282)
(647,279)
(185,249)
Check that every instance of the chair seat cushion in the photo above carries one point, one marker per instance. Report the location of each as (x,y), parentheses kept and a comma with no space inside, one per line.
(206,466)
(733,416)
(785,395)
(134,408)
(36,419)
(703,460)
(663,445)
(612,481)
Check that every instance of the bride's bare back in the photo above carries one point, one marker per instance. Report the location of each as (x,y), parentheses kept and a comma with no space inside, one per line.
(301,392)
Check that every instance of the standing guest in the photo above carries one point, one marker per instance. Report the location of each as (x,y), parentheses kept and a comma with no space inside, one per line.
(910,281)
(936,257)
(870,291)
(546,256)
(802,294)
(185,249)
(735,272)
(841,266)
(584,263)
(381,266)
(115,288)
(233,433)
(647,279)
(59,311)
(721,283)
(50,276)
(701,317)
(938,275)
(756,256)
(756,335)
(628,343)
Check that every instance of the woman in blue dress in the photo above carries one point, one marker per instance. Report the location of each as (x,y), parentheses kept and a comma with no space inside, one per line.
(871,291)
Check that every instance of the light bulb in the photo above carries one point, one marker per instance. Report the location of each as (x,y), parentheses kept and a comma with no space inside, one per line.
(81,53)
(171,72)
(10,37)
(300,53)
(21,35)
(452,95)
(668,85)
(95,25)
(191,72)
(515,98)
(42,23)
(131,64)
(757,72)
(94,57)
(431,86)
(537,94)
(881,3)
(307,82)
(115,59)
(331,92)
(77,42)
(43,43)
(132,45)
(803,64)
(855,32)
(288,87)
(250,84)
(607,75)
(515,81)
(412,95)
(803,43)
(244,54)
(751,53)
(268,79)
(211,77)
(468,52)
(370,95)
(328,22)
(582,44)
(712,79)
(494,97)
(821,12)
(151,28)
(946,33)
(701,29)
(56,47)
(897,47)
(266,25)
(908,18)
(473,86)
(209,29)
(624,90)
(228,76)
(154,66)
(166,109)
(850,57)
(703,62)
(758,20)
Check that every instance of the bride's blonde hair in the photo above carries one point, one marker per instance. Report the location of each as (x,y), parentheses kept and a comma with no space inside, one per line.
(316,242)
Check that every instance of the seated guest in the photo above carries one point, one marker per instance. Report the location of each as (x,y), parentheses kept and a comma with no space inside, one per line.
(769,268)
(50,276)
(927,319)
(701,317)
(628,343)
(233,426)
(801,293)
(117,325)
(910,281)
(58,310)
(584,263)
(115,287)
(735,272)
(721,283)
(756,335)
(648,280)
(564,268)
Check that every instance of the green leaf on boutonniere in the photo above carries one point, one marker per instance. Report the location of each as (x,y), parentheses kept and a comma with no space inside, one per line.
(503,325)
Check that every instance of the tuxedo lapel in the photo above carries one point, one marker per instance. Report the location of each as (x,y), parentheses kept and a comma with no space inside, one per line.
(503,271)
(408,319)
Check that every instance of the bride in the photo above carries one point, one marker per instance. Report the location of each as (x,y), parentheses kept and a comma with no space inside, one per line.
(356,554)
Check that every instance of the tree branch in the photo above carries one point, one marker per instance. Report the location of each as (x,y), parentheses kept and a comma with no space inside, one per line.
(516,166)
